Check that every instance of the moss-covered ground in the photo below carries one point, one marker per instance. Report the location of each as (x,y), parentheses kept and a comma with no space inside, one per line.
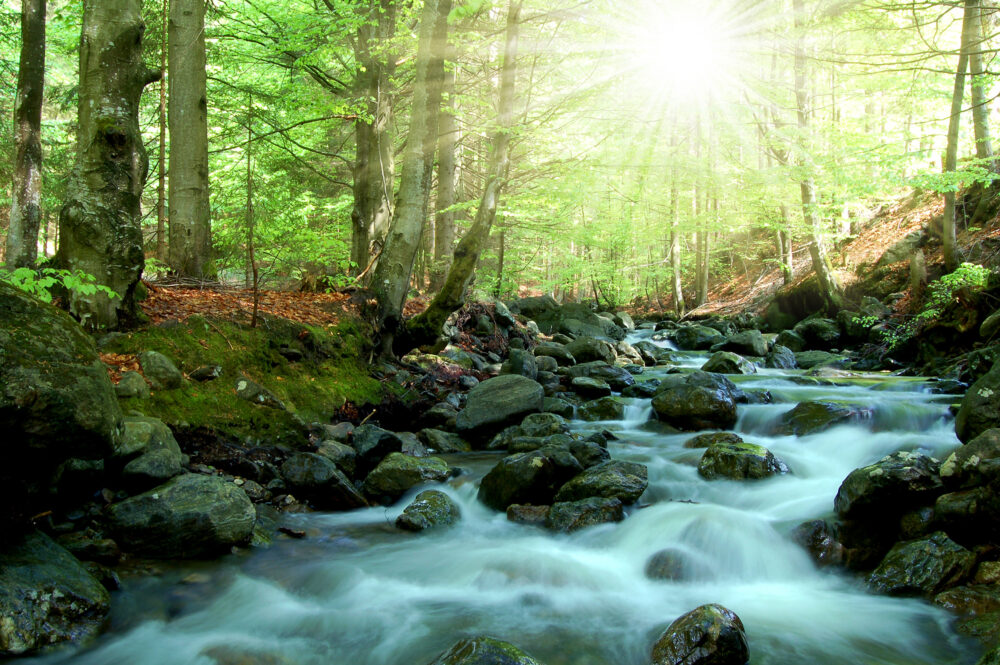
(314,370)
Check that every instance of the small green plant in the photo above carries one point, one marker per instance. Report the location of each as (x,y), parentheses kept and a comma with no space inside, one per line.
(41,283)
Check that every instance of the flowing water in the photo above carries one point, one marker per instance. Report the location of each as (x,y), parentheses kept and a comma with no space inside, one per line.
(357,591)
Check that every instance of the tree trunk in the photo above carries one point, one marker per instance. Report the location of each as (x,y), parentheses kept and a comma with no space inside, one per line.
(829,288)
(25,209)
(427,326)
(187,112)
(374,167)
(972,36)
(99,223)
(161,167)
(444,219)
(948,239)
(391,277)
(785,255)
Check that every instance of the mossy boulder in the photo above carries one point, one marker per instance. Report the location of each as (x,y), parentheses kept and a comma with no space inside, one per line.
(812,417)
(975,463)
(746,343)
(317,479)
(888,487)
(709,438)
(484,651)
(431,509)
(707,635)
(675,565)
(604,408)
(819,334)
(56,401)
(922,567)
(441,441)
(697,337)
(781,357)
(570,516)
(372,444)
(814,359)
(613,479)
(587,387)
(980,409)
(727,362)
(739,461)
(696,403)
(557,351)
(498,402)
(531,477)
(589,349)
(46,596)
(160,371)
(189,516)
(398,473)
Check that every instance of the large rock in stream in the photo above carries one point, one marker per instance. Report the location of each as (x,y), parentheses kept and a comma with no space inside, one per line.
(707,635)
(431,509)
(189,516)
(812,417)
(528,478)
(699,401)
(613,479)
(484,651)
(922,567)
(317,479)
(56,401)
(498,402)
(980,409)
(739,461)
(398,473)
(887,488)
(46,596)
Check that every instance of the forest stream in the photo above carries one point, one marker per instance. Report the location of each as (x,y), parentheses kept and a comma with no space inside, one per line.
(358,591)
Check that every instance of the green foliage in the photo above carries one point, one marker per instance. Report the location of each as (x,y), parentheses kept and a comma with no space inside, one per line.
(42,283)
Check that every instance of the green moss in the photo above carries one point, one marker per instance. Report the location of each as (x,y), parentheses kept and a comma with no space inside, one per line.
(333,370)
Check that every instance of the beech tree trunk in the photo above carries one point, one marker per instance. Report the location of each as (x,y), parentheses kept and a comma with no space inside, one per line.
(25,209)
(374,164)
(829,288)
(444,219)
(99,223)
(948,235)
(972,36)
(391,276)
(426,327)
(189,220)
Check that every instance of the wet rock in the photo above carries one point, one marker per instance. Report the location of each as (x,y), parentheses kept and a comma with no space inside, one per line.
(318,480)
(371,444)
(549,382)
(980,409)
(922,567)
(590,388)
(706,440)
(818,539)
(739,461)
(791,340)
(341,454)
(697,338)
(652,354)
(625,481)
(707,635)
(605,408)
(971,515)
(746,343)
(46,596)
(559,352)
(991,658)
(160,371)
(546,364)
(132,385)
(543,424)
(570,516)
(692,405)
(813,359)
(189,516)
(589,349)
(253,392)
(522,363)
(339,432)
(532,477)
(560,407)
(141,435)
(151,469)
(588,453)
(726,362)
(781,357)
(628,353)
(398,473)
(975,599)
(48,362)
(917,523)
(674,565)
(412,445)
(441,416)
(617,377)
(889,486)
(443,442)
(623,320)
(644,389)
(525,514)
(812,417)
(498,402)
(484,651)
(431,509)
(820,334)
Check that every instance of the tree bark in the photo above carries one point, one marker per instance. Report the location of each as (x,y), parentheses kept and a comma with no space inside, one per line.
(187,111)
(444,219)
(785,255)
(391,276)
(161,167)
(427,326)
(829,288)
(948,235)
(972,36)
(374,166)
(99,223)
(25,210)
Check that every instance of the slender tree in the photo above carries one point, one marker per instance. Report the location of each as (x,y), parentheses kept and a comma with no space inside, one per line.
(427,326)
(187,111)
(444,217)
(391,277)
(948,235)
(25,211)
(99,223)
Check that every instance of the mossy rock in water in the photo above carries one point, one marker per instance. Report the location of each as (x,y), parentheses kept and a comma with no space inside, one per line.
(431,509)
(980,408)
(570,516)
(613,479)
(498,402)
(317,479)
(727,362)
(484,651)
(46,596)
(739,461)
(56,401)
(398,473)
(812,417)
(531,477)
(884,490)
(604,408)
(695,407)
(812,359)
(922,567)
(707,635)
(709,438)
